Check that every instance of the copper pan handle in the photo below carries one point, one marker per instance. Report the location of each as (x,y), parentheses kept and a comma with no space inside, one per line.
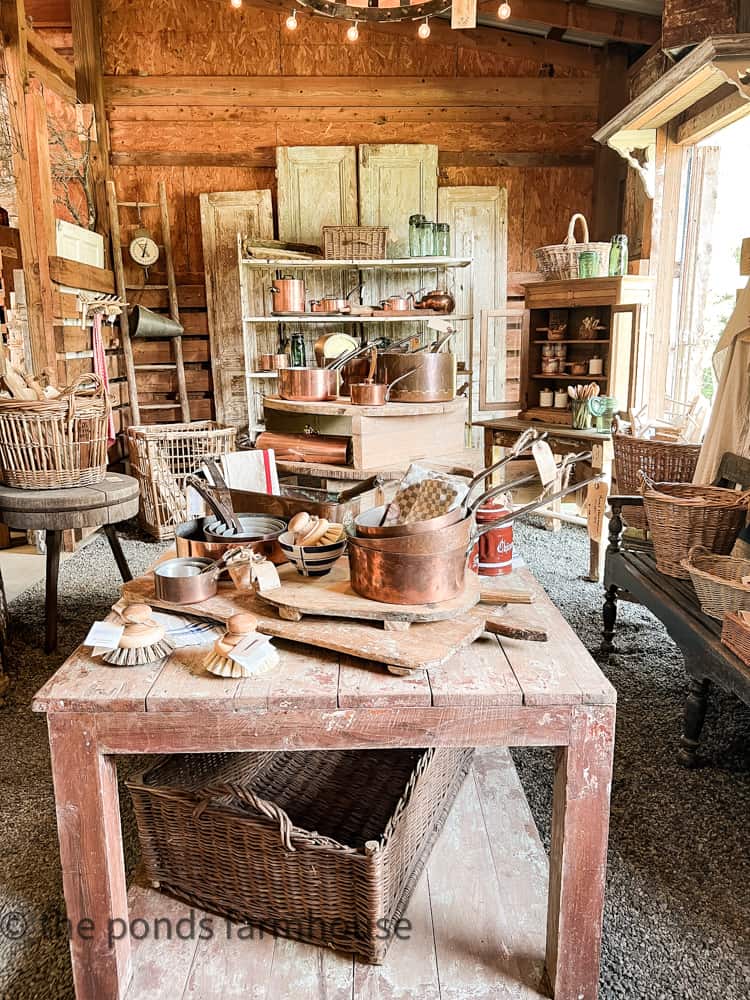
(523,443)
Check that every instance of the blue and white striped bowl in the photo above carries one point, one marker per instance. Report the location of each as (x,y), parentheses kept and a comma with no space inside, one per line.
(311,560)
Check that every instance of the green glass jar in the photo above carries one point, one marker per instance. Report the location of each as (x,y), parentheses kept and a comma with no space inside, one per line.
(442,241)
(588,264)
(298,355)
(426,239)
(414,245)
(618,256)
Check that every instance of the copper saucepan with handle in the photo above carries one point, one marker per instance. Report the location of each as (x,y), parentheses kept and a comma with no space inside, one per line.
(334,304)
(370,392)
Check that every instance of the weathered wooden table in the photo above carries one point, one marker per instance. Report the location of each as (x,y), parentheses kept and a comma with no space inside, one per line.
(112,500)
(503,433)
(478,914)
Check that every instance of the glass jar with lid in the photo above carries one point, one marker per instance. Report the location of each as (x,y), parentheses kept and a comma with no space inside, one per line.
(426,238)
(414,245)
(442,241)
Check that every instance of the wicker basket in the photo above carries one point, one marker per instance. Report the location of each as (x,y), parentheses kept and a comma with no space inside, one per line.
(718,581)
(49,444)
(735,635)
(682,515)
(559,262)
(162,456)
(662,461)
(233,834)
(354,242)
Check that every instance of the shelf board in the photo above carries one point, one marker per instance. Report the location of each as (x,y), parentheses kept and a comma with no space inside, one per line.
(578,340)
(401,263)
(317,320)
(261,374)
(573,378)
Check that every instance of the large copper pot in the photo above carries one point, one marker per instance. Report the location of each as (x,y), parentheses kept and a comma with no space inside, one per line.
(405,578)
(190,540)
(431,379)
(308,385)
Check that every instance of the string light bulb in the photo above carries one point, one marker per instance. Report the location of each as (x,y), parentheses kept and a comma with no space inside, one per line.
(352,32)
(424,29)
(236,4)
(504,11)
(291,21)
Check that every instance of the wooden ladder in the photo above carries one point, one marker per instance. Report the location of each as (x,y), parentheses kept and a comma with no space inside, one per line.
(131,368)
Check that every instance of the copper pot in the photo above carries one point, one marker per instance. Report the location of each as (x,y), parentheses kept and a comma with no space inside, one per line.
(368,523)
(404,578)
(190,540)
(334,304)
(288,295)
(398,303)
(272,362)
(437,301)
(422,542)
(308,385)
(373,393)
(186,580)
(316,449)
(432,377)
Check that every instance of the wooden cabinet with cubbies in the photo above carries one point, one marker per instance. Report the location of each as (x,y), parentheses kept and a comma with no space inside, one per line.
(578,332)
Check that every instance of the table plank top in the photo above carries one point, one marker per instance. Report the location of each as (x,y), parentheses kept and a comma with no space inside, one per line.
(552,430)
(492,672)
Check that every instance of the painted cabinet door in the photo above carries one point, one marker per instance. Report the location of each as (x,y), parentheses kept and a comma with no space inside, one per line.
(317,187)
(396,181)
(223,216)
(478,217)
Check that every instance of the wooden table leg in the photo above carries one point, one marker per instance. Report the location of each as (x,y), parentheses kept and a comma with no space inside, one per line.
(578,856)
(93,867)
(489,447)
(54,543)
(114,544)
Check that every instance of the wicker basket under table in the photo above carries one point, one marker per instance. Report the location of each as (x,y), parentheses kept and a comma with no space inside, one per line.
(162,456)
(735,635)
(683,515)
(718,581)
(662,461)
(319,846)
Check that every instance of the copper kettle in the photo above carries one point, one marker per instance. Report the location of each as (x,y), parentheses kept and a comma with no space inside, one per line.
(436,300)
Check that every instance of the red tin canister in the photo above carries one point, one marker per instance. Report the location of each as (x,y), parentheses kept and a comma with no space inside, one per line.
(493,553)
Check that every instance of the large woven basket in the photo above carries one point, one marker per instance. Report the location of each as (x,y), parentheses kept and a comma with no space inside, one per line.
(718,581)
(162,456)
(683,515)
(355,242)
(49,444)
(662,461)
(735,635)
(320,846)
(559,261)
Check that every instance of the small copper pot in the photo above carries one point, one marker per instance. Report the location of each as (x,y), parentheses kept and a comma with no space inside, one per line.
(187,580)
(272,362)
(373,393)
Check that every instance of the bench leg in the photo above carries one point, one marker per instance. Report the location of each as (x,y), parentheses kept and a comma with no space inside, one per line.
(54,544)
(696,704)
(114,544)
(609,614)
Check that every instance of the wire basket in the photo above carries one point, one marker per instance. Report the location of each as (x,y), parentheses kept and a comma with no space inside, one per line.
(662,461)
(319,846)
(162,456)
(718,581)
(49,444)
(683,515)
(559,261)
(735,634)
(355,242)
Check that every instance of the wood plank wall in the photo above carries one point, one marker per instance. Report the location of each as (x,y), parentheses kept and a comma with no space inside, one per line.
(200,94)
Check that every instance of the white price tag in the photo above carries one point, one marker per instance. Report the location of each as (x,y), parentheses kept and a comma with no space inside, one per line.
(545,462)
(104,635)
(266,576)
(195,504)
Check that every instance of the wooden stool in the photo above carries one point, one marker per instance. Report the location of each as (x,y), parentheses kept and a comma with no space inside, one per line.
(112,500)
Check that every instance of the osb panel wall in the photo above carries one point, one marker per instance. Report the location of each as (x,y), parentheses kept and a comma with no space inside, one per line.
(686,23)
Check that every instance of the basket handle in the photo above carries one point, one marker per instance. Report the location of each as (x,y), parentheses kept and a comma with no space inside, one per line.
(250,800)
(570,239)
(697,550)
(87,382)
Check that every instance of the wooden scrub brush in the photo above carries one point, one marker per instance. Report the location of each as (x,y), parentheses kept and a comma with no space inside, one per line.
(310,530)
(143,640)
(239,627)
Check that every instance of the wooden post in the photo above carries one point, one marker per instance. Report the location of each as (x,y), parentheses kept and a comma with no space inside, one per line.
(33,185)
(87,54)
(609,167)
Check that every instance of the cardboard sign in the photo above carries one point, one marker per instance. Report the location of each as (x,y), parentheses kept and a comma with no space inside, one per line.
(545,462)
(596,503)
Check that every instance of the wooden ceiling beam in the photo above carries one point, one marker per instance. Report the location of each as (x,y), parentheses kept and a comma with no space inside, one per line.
(615,25)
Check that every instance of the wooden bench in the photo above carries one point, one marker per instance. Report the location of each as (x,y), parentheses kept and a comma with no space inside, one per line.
(630,569)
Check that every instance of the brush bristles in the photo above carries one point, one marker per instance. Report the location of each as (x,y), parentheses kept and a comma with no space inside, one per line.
(138,657)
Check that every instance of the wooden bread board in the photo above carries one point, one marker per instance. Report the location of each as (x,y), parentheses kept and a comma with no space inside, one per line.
(332,597)
(421,647)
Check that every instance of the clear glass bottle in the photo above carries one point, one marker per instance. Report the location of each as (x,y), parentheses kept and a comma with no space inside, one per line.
(442,241)
(414,244)
(618,256)
(298,355)
(426,239)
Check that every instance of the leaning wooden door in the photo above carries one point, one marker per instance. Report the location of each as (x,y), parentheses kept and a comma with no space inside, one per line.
(317,187)
(396,181)
(223,216)
(478,217)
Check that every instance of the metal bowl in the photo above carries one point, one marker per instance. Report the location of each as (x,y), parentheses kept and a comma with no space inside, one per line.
(255,528)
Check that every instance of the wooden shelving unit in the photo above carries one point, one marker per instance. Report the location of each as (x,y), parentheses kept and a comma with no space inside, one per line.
(621,307)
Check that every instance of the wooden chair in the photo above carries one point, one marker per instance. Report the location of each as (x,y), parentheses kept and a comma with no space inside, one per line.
(630,569)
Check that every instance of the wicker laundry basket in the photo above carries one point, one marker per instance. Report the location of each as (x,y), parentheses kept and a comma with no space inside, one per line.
(320,846)
(559,261)
(355,242)
(162,456)
(662,461)
(718,581)
(49,444)
(682,515)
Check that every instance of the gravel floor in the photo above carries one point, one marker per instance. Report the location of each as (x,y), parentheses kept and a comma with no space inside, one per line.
(678,896)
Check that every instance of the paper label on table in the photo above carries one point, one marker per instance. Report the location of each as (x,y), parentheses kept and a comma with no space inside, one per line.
(596,502)
(266,576)
(251,650)
(545,462)
(104,635)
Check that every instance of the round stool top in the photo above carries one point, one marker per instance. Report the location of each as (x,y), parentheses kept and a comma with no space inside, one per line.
(113,499)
